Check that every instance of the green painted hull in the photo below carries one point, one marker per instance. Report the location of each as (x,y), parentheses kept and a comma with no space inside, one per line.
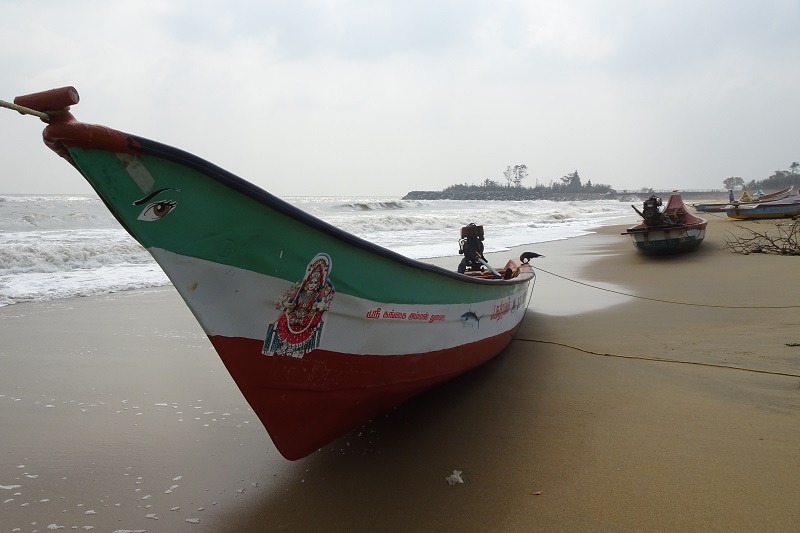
(668,246)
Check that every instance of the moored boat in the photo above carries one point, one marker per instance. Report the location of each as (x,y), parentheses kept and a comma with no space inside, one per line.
(787,208)
(745,198)
(668,229)
(319,329)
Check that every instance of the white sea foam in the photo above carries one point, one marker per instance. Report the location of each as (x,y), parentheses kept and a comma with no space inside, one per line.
(56,246)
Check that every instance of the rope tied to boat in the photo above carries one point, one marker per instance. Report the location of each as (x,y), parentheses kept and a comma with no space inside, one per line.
(693,304)
(663,359)
(45,117)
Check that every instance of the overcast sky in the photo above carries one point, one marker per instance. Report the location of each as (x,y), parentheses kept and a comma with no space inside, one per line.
(371,97)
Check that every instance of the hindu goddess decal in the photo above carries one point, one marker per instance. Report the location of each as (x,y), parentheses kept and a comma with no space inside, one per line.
(298,330)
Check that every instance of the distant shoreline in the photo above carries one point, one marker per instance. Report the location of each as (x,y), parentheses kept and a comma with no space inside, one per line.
(515,194)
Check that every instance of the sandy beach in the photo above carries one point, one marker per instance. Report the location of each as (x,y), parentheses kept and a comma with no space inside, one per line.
(117,415)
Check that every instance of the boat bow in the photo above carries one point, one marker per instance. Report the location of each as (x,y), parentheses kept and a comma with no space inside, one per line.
(320,330)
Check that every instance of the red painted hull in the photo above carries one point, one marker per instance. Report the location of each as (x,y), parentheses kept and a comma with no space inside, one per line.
(306,403)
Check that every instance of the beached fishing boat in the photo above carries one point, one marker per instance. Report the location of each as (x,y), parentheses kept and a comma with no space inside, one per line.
(668,229)
(786,208)
(320,329)
(745,198)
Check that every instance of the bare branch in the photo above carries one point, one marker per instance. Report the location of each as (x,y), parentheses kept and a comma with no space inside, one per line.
(782,238)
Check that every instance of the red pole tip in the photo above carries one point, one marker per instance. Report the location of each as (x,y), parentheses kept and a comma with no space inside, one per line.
(51,100)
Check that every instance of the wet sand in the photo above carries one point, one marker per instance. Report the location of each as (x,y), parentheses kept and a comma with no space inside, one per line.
(116,414)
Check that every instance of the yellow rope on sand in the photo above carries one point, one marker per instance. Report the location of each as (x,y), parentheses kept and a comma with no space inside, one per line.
(25,110)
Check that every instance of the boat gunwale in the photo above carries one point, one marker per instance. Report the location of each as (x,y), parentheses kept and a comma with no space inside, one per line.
(641,228)
(775,196)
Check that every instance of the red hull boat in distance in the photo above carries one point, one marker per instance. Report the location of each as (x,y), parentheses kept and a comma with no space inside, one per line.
(667,230)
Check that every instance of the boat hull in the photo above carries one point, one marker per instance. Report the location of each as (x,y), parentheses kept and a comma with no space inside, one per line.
(765,211)
(319,329)
(744,200)
(373,354)
(671,230)
(711,208)
(287,393)
(667,241)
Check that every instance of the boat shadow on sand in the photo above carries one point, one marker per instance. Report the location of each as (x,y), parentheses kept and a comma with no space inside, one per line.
(401,459)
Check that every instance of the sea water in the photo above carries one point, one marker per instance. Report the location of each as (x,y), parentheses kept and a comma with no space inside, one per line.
(63,246)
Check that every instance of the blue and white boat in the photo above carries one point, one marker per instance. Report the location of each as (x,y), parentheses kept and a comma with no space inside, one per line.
(746,198)
(788,208)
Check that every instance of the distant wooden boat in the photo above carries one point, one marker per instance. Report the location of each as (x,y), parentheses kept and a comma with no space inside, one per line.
(745,198)
(320,330)
(667,230)
(786,208)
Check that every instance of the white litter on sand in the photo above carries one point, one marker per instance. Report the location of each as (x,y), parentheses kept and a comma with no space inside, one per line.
(454,478)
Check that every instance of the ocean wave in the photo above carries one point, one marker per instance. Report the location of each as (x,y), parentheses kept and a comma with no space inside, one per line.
(62,246)
(39,213)
(372,205)
(45,286)
(50,265)
(41,199)
(390,223)
(48,252)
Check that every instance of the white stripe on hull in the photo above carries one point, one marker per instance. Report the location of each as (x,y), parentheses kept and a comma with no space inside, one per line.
(668,235)
(234,302)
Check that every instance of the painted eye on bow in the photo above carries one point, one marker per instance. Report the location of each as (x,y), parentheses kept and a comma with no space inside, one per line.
(157,210)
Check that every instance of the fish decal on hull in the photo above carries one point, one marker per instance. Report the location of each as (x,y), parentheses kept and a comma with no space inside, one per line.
(470,319)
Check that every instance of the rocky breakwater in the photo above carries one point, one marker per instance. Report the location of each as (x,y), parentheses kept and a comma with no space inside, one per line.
(511,195)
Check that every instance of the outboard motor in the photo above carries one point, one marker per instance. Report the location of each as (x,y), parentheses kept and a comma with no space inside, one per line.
(650,211)
(471,247)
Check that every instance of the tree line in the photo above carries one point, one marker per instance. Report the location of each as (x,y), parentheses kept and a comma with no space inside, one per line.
(779,179)
(515,175)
